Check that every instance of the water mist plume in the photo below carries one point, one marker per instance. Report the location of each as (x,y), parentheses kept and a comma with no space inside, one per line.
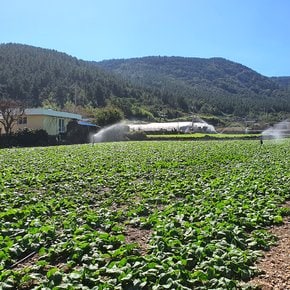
(278,131)
(115,132)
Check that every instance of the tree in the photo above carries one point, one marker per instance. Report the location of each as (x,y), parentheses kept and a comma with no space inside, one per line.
(108,115)
(10,111)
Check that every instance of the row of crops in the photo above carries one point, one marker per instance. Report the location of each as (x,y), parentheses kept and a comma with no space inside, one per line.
(147,215)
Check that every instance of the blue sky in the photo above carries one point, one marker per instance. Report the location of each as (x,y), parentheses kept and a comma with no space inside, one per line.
(255,33)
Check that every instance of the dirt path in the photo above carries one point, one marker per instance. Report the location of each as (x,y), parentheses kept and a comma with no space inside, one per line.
(275,265)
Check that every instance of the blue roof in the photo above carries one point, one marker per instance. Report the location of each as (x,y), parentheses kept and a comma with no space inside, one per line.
(83,123)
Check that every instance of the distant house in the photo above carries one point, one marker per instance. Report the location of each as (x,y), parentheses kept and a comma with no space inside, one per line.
(53,122)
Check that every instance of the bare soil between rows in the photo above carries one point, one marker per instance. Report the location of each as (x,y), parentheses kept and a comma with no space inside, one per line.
(275,265)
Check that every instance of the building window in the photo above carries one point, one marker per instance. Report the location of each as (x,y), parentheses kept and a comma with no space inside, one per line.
(61,128)
(22,120)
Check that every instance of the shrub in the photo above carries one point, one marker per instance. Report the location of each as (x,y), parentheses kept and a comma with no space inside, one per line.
(136,135)
(25,138)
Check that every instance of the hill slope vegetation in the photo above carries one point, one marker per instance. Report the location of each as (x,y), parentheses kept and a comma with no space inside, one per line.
(214,85)
(142,88)
(39,76)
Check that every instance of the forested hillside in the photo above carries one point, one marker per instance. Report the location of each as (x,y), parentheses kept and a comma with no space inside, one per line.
(282,81)
(141,88)
(40,77)
(214,85)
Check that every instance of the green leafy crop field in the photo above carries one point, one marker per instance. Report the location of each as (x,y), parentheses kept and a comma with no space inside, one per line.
(147,215)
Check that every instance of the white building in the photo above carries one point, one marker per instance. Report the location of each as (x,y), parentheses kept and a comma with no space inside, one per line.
(185,127)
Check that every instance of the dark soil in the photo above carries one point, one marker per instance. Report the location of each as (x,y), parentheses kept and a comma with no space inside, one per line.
(275,265)
(139,236)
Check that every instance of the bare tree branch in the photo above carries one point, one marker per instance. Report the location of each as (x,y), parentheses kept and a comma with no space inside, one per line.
(10,111)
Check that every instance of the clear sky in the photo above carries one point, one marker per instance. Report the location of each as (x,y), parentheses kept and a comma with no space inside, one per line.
(255,33)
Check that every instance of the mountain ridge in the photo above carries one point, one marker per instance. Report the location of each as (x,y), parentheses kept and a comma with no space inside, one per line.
(206,78)
(157,85)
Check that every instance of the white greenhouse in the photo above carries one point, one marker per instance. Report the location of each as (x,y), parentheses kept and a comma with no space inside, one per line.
(185,127)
